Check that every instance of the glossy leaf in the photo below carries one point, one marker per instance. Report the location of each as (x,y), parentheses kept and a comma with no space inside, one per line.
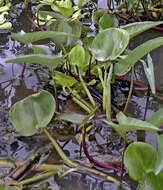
(159,163)
(47,60)
(71,117)
(63,79)
(77,56)
(157,118)
(107,21)
(153,182)
(109,44)
(97,15)
(137,28)
(33,113)
(35,36)
(139,159)
(135,55)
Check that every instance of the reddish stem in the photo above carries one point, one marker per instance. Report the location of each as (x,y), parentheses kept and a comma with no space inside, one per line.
(160,29)
(123,79)
(95,162)
(138,84)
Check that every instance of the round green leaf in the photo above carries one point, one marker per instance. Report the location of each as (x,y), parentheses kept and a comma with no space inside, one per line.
(63,79)
(33,112)
(139,159)
(109,44)
(107,21)
(97,15)
(77,56)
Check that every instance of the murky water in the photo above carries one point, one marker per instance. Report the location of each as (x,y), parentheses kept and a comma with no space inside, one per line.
(17,81)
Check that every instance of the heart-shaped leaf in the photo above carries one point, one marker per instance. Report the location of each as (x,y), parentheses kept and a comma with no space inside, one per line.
(109,44)
(64,80)
(33,112)
(77,56)
(139,159)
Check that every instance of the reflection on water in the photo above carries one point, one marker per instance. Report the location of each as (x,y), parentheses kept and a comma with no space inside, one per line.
(102,4)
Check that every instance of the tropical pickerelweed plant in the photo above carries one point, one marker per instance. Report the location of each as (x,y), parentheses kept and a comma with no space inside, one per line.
(84,53)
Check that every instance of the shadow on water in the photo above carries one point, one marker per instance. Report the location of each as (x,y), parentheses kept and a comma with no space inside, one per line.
(18,81)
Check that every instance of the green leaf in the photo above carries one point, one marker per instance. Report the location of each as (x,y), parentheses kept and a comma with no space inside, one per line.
(149,72)
(97,15)
(41,49)
(153,182)
(3,17)
(71,117)
(35,36)
(137,28)
(130,124)
(139,159)
(109,44)
(107,21)
(6,7)
(135,55)
(64,7)
(157,118)
(6,187)
(77,56)
(64,80)
(71,28)
(159,163)
(33,113)
(48,60)
(6,26)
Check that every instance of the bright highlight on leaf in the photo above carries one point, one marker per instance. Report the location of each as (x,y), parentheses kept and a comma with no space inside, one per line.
(109,44)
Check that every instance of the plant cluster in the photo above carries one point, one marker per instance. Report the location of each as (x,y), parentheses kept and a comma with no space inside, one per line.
(89,59)
(4,8)
(138,10)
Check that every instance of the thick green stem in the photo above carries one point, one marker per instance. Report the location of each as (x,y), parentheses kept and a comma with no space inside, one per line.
(37,178)
(87,91)
(108,93)
(65,159)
